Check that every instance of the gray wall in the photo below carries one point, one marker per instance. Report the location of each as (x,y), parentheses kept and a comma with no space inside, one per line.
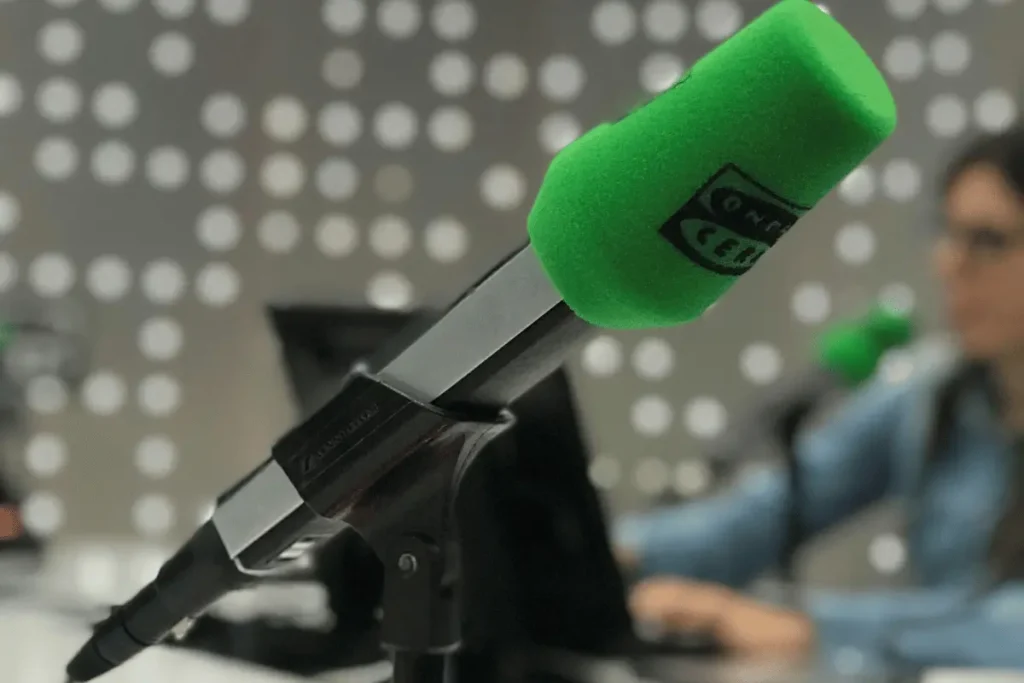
(170,166)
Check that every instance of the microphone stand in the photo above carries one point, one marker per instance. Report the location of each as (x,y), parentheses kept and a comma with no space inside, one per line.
(787,430)
(408,518)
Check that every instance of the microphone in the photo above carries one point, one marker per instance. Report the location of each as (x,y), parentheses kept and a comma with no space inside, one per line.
(847,354)
(642,222)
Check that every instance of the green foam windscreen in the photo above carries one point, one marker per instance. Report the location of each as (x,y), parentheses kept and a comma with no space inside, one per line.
(889,326)
(852,350)
(849,351)
(7,333)
(646,221)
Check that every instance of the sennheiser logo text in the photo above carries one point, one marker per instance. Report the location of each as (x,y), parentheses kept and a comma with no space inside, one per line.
(315,460)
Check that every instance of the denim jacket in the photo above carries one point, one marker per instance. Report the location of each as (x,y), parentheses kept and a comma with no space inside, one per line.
(873,449)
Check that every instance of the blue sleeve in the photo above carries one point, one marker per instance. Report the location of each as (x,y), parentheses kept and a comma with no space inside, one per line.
(869,633)
(846,465)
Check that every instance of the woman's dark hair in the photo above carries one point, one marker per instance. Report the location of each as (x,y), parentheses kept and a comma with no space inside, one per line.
(1004,151)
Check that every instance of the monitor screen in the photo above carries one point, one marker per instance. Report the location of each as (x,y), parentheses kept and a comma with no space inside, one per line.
(536,560)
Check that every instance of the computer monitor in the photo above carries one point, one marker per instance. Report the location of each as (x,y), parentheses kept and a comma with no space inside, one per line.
(537,565)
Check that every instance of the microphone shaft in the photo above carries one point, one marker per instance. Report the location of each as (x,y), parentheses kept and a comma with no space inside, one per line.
(194,578)
(505,319)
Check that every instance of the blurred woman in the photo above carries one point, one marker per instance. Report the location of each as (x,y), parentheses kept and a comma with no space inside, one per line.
(950,442)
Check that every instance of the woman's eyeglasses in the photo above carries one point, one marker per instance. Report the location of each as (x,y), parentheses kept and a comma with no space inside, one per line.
(983,242)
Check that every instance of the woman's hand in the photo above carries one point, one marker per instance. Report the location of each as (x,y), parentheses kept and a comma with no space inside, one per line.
(679,605)
(743,626)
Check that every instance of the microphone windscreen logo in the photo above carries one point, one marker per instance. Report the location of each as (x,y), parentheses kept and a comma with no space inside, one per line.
(730,222)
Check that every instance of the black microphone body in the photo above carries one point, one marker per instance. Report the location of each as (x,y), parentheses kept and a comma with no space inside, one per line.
(343,468)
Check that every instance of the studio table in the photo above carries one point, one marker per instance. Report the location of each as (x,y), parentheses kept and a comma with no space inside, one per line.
(36,643)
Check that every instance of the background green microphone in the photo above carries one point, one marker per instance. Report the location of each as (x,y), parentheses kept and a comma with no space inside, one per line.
(846,355)
(851,351)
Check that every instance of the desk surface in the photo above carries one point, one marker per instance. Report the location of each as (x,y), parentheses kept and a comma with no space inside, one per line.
(35,645)
(704,671)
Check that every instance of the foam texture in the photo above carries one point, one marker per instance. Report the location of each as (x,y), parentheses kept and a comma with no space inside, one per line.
(849,351)
(626,223)
(853,350)
(890,327)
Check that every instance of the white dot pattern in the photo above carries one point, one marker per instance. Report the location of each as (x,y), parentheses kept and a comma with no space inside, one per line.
(453,20)
(156,456)
(278,232)
(452,73)
(167,168)
(172,54)
(450,129)
(951,53)
(561,78)
(446,240)
(705,418)
(109,278)
(653,359)
(388,152)
(666,21)
(502,187)
(558,130)
(761,363)
(58,99)
(282,175)
(602,357)
(812,303)
(112,162)
(218,285)
(61,42)
(103,393)
(337,236)
(946,116)
(285,119)
(223,115)
(651,416)
(995,110)
(43,513)
(10,212)
(46,395)
(340,124)
(506,76)
(660,71)
(390,290)
(160,339)
(153,515)
(46,455)
(855,244)
(719,19)
(115,105)
(52,275)
(904,58)
(159,395)
(163,281)
(219,228)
